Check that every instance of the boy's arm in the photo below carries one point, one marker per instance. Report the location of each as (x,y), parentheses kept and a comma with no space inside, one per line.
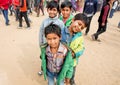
(78,47)
(41,32)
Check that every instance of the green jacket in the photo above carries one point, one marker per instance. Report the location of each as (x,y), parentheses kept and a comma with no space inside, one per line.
(68,22)
(67,69)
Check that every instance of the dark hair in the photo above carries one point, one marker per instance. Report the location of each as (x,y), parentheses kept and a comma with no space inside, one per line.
(82,17)
(53,4)
(52,28)
(66,4)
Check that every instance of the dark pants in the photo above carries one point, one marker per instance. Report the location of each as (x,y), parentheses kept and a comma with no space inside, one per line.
(73,76)
(88,27)
(23,14)
(38,10)
(100,30)
(17,13)
(10,8)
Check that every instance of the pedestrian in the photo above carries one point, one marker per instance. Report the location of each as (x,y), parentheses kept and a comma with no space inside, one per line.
(4,5)
(114,7)
(90,8)
(57,61)
(102,20)
(23,13)
(40,7)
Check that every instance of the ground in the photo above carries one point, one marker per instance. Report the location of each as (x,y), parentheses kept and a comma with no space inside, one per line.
(20,62)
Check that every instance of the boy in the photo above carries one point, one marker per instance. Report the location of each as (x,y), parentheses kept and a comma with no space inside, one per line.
(66,10)
(102,20)
(57,61)
(80,21)
(53,10)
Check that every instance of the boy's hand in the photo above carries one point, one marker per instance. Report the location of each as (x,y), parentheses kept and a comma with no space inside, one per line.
(103,24)
(67,81)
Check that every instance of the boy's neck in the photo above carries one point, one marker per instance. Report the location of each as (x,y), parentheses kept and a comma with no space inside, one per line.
(54,49)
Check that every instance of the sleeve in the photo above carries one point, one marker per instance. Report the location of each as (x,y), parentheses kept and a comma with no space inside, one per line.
(78,47)
(41,33)
(106,11)
(70,70)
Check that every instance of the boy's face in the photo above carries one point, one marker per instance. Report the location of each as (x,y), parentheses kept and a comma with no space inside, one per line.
(52,12)
(77,26)
(53,40)
(66,12)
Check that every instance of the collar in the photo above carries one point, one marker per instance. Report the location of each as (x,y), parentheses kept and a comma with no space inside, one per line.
(60,50)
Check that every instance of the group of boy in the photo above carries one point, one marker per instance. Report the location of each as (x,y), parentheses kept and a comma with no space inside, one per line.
(61,43)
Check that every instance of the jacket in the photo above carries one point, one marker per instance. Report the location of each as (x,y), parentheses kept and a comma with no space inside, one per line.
(67,68)
(45,23)
(69,20)
(104,13)
(5,4)
(90,7)
(77,45)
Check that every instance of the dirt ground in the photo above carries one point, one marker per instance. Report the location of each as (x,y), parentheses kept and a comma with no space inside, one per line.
(19,54)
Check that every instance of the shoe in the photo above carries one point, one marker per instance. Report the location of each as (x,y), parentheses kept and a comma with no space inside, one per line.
(7,24)
(40,73)
(28,27)
(19,27)
(98,40)
(37,16)
(72,83)
(85,34)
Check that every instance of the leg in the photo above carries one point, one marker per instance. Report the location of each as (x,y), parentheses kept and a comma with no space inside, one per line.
(26,18)
(72,81)
(20,19)
(88,27)
(38,11)
(100,30)
(111,13)
(42,9)
(50,78)
(5,14)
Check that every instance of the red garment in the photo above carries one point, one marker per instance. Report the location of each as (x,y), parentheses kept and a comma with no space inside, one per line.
(16,2)
(24,6)
(4,4)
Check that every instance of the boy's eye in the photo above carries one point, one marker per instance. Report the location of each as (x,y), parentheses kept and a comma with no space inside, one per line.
(54,9)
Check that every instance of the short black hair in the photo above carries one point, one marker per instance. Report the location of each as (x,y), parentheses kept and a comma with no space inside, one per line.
(82,17)
(52,28)
(66,4)
(53,4)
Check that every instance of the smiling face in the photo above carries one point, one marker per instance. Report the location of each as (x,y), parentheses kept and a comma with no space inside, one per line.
(52,12)
(53,40)
(66,12)
(77,26)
